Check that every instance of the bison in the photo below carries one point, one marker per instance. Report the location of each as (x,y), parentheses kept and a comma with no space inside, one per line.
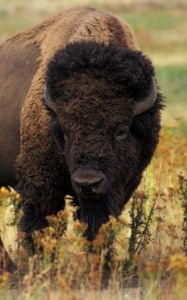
(80,115)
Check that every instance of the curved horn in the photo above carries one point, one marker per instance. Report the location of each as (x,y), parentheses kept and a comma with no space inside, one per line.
(48,100)
(148,101)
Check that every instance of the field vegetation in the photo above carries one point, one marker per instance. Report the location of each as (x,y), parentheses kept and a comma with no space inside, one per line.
(143,254)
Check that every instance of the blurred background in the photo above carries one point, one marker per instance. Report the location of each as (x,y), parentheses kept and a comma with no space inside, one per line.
(160,27)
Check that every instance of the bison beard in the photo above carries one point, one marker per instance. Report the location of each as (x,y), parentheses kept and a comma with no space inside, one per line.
(93,215)
(96,213)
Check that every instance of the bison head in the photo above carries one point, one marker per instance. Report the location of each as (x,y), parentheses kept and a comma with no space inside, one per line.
(105,108)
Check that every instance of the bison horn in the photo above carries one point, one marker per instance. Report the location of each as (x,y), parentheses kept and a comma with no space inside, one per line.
(48,100)
(148,101)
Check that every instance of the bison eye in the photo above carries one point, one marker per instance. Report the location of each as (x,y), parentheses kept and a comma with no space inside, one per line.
(122,134)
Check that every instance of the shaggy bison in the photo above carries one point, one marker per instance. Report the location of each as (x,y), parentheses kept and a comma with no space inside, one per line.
(80,115)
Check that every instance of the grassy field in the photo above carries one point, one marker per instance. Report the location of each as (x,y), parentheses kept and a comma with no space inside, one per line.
(145,250)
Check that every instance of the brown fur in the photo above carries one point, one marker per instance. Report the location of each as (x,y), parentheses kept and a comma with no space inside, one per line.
(18,64)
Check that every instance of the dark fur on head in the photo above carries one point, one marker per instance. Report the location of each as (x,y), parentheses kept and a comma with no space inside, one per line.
(130,70)
(94,87)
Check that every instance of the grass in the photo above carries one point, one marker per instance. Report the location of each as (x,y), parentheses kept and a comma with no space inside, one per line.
(172,81)
(155,20)
(145,250)
(176,75)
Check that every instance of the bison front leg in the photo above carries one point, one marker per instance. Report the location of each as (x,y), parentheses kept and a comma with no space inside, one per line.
(40,166)
(40,184)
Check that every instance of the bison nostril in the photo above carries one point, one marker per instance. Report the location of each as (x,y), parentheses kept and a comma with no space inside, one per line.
(96,183)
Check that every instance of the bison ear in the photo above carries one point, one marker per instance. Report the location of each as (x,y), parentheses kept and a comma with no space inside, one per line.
(48,101)
(148,101)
